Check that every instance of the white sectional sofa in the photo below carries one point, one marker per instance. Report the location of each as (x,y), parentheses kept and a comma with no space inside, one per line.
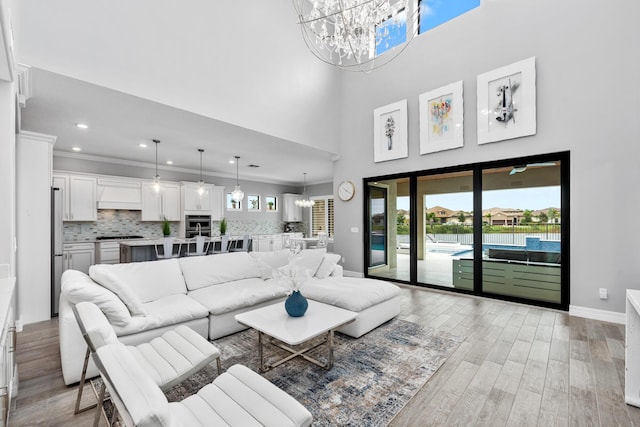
(144,300)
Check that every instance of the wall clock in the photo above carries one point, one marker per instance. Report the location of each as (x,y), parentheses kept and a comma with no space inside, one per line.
(346,190)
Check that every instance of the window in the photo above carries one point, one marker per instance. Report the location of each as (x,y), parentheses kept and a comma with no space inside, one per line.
(322,215)
(391,32)
(436,12)
(253,203)
(272,203)
(232,205)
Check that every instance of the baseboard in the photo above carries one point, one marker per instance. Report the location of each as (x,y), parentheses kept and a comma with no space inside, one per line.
(348,273)
(593,313)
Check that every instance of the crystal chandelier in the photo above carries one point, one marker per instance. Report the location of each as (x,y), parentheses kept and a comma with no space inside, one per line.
(305,201)
(237,194)
(346,33)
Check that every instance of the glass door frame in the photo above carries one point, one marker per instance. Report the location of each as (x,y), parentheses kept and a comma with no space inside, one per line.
(477,169)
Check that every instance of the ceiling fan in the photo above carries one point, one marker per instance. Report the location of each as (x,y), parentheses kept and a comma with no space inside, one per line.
(522,168)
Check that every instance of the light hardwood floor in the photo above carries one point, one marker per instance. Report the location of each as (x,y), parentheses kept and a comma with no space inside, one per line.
(519,366)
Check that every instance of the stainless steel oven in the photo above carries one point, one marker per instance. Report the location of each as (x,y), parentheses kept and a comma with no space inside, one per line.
(197,225)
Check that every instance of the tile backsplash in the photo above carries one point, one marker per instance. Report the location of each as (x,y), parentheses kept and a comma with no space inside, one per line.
(122,222)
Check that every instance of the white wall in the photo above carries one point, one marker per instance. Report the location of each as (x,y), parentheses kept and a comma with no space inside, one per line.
(587,64)
(240,62)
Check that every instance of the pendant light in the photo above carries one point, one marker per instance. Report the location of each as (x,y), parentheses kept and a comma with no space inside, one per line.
(202,190)
(157,186)
(237,194)
(305,202)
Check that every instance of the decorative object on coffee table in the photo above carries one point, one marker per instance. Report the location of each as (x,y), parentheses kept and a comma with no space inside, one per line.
(296,305)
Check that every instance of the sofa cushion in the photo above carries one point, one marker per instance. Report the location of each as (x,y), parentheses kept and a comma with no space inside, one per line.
(350,293)
(203,271)
(327,265)
(269,261)
(148,281)
(79,287)
(169,310)
(238,294)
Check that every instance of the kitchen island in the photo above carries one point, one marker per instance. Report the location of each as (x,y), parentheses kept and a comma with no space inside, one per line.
(145,249)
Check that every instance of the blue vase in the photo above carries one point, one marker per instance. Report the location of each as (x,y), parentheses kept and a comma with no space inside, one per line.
(296,305)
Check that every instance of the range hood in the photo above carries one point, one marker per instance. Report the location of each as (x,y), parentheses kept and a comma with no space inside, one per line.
(116,194)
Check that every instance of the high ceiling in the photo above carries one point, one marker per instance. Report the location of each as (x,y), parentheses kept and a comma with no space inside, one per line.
(188,75)
(119,123)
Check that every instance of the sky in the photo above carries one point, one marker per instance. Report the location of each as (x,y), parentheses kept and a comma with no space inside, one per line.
(520,198)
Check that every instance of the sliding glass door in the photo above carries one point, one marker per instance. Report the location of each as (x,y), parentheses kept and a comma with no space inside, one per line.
(493,229)
(389,223)
(445,230)
(522,230)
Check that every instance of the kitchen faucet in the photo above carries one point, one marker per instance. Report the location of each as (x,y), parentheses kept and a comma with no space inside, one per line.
(199,229)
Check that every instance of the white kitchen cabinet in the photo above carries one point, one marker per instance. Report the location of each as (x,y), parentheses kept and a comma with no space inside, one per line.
(78,256)
(290,211)
(210,203)
(194,202)
(107,252)
(267,242)
(217,203)
(167,204)
(82,198)
(78,196)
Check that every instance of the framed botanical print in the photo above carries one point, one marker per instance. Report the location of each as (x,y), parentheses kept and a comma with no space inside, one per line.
(390,132)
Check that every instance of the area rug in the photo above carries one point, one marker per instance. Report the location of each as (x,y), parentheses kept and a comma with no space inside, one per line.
(372,379)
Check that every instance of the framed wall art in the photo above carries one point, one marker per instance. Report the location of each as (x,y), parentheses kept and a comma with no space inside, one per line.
(390,132)
(507,102)
(441,119)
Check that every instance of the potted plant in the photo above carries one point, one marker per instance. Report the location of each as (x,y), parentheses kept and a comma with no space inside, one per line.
(166,227)
(270,204)
(223,227)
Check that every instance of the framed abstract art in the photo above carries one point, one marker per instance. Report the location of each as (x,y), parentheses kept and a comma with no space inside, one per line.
(441,119)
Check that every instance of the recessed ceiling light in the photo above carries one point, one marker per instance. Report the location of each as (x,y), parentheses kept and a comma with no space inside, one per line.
(82,126)
(231,161)
(169,162)
(76,149)
(142,145)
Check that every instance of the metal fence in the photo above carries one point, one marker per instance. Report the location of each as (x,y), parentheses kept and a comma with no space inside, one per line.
(495,234)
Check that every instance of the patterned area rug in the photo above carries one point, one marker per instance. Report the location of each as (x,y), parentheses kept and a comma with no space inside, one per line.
(372,378)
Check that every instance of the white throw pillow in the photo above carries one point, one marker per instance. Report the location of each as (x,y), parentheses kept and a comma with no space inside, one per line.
(309,260)
(78,287)
(327,265)
(110,280)
(269,261)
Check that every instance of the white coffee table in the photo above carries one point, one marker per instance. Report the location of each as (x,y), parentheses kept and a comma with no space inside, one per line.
(273,321)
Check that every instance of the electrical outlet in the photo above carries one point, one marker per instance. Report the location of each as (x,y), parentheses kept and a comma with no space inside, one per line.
(603,293)
(343,260)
